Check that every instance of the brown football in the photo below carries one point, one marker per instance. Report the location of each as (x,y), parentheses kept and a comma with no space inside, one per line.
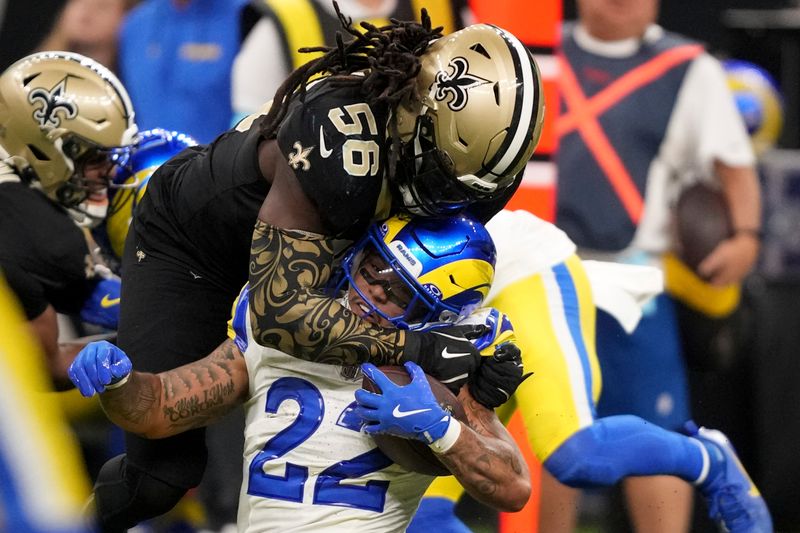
(702,221)
(412,454)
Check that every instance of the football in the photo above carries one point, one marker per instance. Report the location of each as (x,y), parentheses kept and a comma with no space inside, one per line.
(702,221)
(412,454)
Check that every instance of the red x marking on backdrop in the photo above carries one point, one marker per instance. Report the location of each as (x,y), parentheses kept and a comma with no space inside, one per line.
(582,114)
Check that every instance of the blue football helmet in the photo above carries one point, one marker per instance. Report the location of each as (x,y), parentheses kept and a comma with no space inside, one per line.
(437,270)
(151,149)
(758,100)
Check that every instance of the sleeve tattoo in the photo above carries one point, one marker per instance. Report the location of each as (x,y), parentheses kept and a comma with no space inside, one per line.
(486,460)
(291,311)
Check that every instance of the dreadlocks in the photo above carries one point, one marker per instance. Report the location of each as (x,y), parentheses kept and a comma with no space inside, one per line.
(386,58)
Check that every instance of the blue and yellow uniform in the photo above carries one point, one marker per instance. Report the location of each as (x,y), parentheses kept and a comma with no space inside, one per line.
(546,291)
(43,486)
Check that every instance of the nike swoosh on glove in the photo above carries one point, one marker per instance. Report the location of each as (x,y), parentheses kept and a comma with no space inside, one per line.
(409,411)
(445,353)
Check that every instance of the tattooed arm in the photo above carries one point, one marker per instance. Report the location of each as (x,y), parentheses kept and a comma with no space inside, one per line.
(161,405)
(290,311)
(486,460)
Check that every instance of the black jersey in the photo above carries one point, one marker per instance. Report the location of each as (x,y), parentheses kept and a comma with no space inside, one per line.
(336,144)
(43,254)
(200,208)
(338,147)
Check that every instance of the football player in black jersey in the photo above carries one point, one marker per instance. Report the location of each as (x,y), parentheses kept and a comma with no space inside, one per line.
(65,122)
(400,118)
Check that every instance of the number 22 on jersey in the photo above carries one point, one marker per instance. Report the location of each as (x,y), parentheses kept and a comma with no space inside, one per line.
(328,489)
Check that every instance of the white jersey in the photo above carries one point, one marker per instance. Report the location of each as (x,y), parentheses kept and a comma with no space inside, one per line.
(526,245)
(307,465)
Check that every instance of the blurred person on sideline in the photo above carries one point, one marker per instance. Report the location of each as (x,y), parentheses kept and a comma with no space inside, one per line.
(277,29)
(66,124)
(90,28)
(175,57)
(37,450)
(643,112)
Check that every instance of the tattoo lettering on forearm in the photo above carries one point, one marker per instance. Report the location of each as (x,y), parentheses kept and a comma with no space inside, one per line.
(197,405)
(194,395)
(290,310)
(201,391)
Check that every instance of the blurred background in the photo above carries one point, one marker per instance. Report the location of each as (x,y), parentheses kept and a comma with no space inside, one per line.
(751,390)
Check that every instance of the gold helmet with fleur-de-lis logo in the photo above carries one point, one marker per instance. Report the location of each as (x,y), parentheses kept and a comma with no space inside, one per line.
(476,115)
(59,110)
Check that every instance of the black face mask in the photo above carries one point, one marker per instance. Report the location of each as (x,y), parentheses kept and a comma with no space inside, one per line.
(426,177)
(85,153)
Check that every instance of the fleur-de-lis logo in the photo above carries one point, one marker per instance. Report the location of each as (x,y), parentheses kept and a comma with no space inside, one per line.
(456,83)
(54,105)
(300,156)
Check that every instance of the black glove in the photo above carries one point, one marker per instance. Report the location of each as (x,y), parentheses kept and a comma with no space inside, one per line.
(445,353)
(498,376)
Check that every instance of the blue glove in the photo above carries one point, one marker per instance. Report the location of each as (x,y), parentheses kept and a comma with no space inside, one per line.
(102,306)
(410,411)
(98,365)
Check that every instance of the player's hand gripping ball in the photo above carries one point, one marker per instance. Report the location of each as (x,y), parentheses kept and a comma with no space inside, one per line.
(404,413)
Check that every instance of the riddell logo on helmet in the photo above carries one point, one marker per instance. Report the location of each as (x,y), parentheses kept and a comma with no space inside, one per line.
(53,104)
(433,289)
(456,83)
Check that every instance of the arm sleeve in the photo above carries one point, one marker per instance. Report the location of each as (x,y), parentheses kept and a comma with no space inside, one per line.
(291,311)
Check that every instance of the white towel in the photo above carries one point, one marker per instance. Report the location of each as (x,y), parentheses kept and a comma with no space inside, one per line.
(622,290)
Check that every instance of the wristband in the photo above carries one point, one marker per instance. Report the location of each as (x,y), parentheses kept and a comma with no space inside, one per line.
(120,383)
(443,444)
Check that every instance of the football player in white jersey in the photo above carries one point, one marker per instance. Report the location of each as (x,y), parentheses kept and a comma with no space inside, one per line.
(307,443)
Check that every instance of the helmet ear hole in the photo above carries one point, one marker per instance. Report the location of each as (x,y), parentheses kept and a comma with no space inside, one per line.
(478,48)
(38,154)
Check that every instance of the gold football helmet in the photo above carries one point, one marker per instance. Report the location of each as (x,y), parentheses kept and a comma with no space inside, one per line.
(61,112)
(473,123)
